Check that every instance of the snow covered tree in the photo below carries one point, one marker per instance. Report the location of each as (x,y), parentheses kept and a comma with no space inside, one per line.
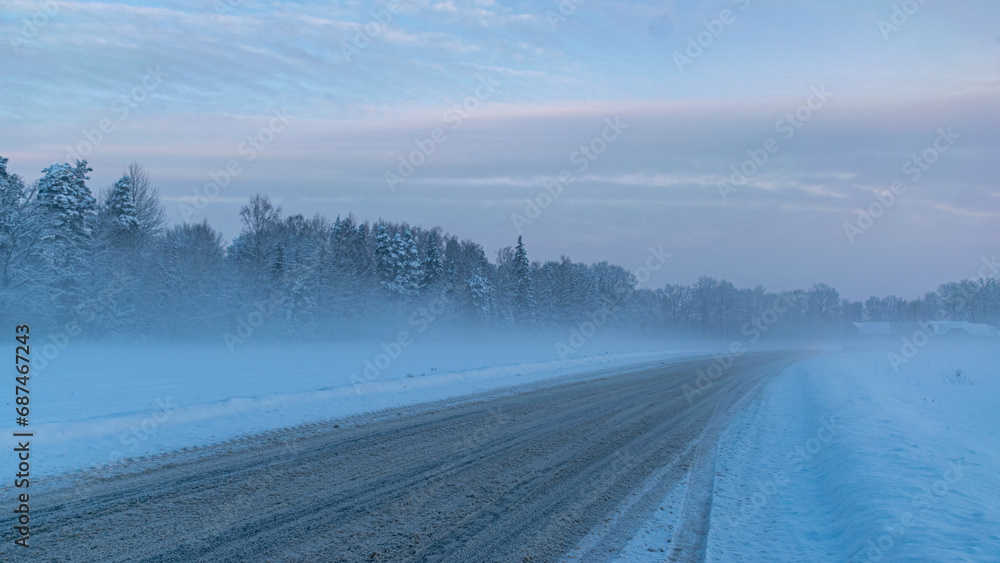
(410,271)
(481,294)
(124,246)
(260,220)
(21,233)
(398,263)
(255,252)
(354,283)
(351,253)
(116,254)
(60,249)
(131,213)
(122,220)
(523,297)
(302,269)
(675,302)
(567,291)
(190,281)
(150,216)
(432,265)
(824,305)
(503,284)
(67,205)
(64,196)
(476,291)
(384,256)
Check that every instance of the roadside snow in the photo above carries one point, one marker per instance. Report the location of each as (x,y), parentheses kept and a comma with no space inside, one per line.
(842,459)
(845,459)
(94,405)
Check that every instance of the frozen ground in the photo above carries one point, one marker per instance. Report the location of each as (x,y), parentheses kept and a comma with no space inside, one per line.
(845,459)
(509,476)
(92,405)
(842,458)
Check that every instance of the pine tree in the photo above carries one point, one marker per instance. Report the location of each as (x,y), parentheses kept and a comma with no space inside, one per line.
(21,233)
(117,254)
(477,292)
(124,223)
(188,281)
(432,266)
(278,267)
(68,206)
(149,212)
(397,263)
(524,293)
(409,274)
(64,196)
(384,269)
(481,293)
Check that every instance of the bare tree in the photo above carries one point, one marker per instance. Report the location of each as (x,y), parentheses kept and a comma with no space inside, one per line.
(146,200)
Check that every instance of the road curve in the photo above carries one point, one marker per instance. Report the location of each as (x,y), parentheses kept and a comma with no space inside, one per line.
(519,477)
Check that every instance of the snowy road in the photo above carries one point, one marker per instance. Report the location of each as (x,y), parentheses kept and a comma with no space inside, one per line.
(525,477)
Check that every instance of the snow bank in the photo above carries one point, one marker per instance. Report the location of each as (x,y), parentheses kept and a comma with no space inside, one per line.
(847,459)
(93,405)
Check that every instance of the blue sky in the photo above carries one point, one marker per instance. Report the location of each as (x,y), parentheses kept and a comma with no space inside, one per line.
(359,85)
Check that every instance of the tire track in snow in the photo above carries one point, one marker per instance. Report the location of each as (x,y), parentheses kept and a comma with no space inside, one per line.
(412,486)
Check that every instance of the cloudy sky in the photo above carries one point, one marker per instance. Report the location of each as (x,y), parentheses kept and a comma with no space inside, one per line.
(744,137)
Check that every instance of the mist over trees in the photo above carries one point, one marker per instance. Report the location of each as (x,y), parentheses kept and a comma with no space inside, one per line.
(110,265)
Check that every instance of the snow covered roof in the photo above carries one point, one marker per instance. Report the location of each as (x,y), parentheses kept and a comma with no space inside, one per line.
(972,329)
(939,327)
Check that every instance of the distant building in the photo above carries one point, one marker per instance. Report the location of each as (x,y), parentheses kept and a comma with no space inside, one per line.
(966,328)
(951,328)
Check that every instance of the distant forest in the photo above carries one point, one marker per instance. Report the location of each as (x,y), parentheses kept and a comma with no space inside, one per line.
(110,266)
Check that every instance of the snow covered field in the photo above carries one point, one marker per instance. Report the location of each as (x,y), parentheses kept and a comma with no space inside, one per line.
(845,459)
(95,404)
(842,458)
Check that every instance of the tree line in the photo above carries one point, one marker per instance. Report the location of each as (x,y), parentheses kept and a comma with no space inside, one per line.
(111,265)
